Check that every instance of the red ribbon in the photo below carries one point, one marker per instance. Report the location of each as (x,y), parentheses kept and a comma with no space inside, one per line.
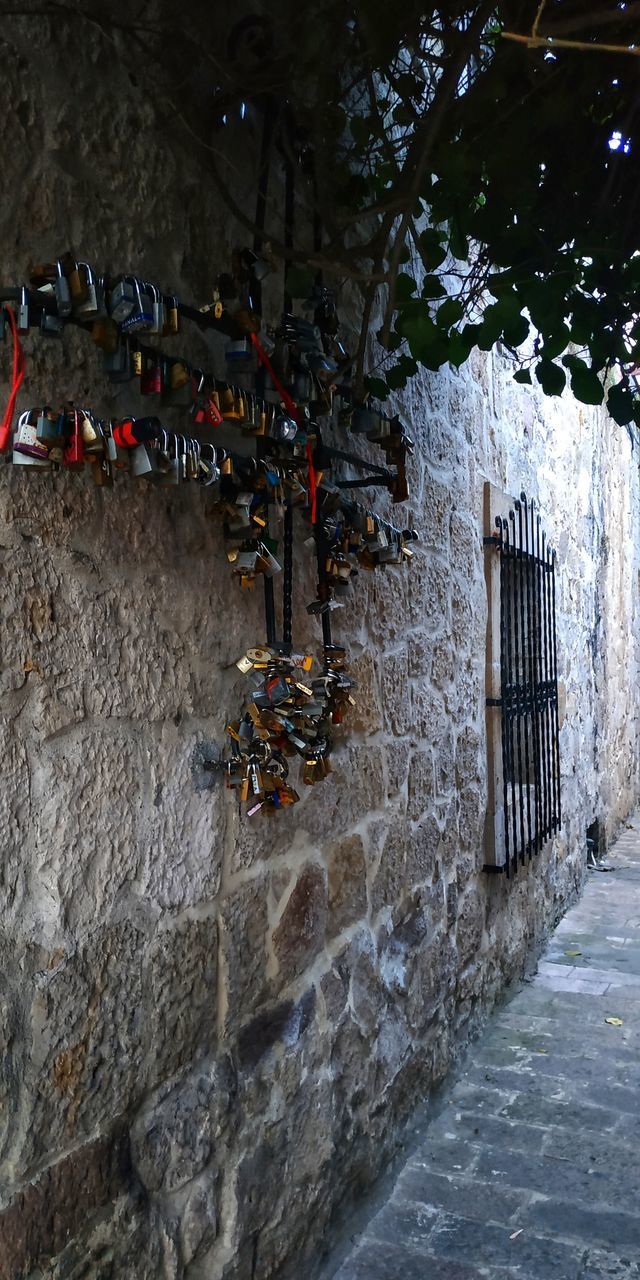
(16,381)
(292,409)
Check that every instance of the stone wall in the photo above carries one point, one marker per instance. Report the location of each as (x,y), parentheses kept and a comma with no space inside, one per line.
(210,1028)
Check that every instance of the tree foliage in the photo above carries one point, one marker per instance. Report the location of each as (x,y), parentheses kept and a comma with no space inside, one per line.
(473,167)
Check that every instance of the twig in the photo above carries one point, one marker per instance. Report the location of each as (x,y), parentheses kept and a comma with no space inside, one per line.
(551,42)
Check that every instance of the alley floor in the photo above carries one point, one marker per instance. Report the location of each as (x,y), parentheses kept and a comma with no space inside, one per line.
(532,1168)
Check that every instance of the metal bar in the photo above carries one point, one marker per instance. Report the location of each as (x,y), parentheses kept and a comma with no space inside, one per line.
(553,695)
(369,482)
(342,455)
(543,690)
(554,657)
(535,747)
(507,691)
(503,675)
(516,674)
(535,687)
(526,653)
(548,697)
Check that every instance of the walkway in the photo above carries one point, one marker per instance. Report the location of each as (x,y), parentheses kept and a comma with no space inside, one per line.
(532,1170)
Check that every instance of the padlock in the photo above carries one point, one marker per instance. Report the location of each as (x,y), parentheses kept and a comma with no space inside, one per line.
(172,324)
(77,282)
(25,440)
(228,405)
(117,364)
(105,334)
(110,446)
(177,387)
(157,308)
(90,308)
(73,456)
(141,316)
(123,299)
(151,379)
(47,427)
(213,415)
(238,356)
(22,311)
(143,462)
(61,291)
(102,473)
(51,326)
(283,429)
(92,437)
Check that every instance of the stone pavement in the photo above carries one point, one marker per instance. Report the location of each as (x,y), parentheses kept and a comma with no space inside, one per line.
(532,1168)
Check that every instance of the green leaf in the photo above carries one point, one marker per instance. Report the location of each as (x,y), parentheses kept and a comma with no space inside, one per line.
(551,377)
(432,287)
(432,247)
(399,374)
(523,376)
(458,243)
(620,403)
(450,312)
(300,281)
(460,345)
(586,385)
(377,387)
(405,286)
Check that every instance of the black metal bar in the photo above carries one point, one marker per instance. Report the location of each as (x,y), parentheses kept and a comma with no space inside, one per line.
(543,691)
(551,701)
(535,681)
(554,655)
(517,682)
(544,656)
(504,718)
(548,696)
(526,709)
(508,691)
(535,740)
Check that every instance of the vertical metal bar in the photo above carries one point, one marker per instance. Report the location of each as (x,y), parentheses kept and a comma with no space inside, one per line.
(554,659)
(516,684)
(503,696)
(530,683)
(535,682)
(548,704)
(544,689)
(526,678)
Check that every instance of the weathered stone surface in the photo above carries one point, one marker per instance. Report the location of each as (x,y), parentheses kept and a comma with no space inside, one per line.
(337,956)
(300,934)
(347,884)
(39,1219)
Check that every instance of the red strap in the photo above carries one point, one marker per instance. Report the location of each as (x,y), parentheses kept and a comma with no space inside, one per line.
(291,408)
(287,400)
(16,381)
(312,484)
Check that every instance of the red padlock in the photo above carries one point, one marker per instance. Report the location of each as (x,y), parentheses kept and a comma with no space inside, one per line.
(123,434)
(151,377)
(73,456)
(213,416)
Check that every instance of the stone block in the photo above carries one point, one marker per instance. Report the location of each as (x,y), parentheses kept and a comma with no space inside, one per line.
(300,934)
(347,884)
(243,937)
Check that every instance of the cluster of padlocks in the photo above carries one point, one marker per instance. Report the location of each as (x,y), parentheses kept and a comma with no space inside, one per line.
(259,442)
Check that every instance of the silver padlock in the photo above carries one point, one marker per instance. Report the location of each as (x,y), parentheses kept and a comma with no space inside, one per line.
(157,308)
(89,309)
(27,451)
(110,446)
(123,299)
(142,461)
(22,311)
(62,291)
(141,317)
(51,326)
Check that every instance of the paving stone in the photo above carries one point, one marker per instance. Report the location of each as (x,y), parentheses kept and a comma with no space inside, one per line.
(477,1199)
(462,1240)
(531,1168)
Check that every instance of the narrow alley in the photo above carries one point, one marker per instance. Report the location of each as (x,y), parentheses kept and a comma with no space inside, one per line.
(531,1169)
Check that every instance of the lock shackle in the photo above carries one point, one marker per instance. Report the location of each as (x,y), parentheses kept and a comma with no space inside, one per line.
(89,270)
